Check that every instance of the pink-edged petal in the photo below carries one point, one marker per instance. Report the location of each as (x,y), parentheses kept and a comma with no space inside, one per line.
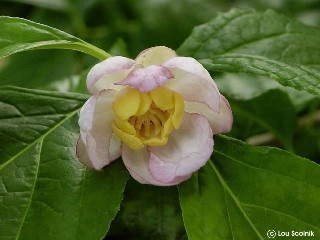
(193,82)
(148,78)
(155,56)
(220,122)
(137,163)
(190,65)
(86,117)
(82,154)
(188,149)
(104,74)
(96,133)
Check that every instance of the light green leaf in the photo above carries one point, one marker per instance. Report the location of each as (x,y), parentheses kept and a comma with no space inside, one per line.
(45,193)
(242,86)
(19,35)
(246,191)
(266,44)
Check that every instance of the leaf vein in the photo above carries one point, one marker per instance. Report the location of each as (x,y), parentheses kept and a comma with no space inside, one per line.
(32,191)
(238,204)
(227,207)
(275,173)
(273,210)
(68,116)
(203,42)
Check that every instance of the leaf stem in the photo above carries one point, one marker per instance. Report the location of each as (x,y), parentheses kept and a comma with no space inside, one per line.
(81,47)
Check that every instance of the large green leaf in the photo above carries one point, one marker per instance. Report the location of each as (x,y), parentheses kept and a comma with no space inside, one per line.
(266,44)
(19,35)
(45,193)
(243,86)
(246,191)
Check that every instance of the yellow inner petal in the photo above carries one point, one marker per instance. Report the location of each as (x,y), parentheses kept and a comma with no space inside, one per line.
(163,98)
(126,104)
(178,110)
(147,118)
(132,141)
(145,102)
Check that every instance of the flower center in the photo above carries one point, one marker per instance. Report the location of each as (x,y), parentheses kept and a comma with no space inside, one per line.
(147,118)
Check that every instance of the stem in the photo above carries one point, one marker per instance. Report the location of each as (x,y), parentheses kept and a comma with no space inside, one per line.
(270,140)
(81,47)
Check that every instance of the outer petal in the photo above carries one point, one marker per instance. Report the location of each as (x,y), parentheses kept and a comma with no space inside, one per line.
(219,122)
(86,117)
(188,149)
(155,56)
(190,65)
(148,78)
(137,162)
(193,82)
(95,124)
(104,74)
(83,154)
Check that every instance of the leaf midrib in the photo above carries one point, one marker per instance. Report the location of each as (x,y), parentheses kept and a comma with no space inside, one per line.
(263,169)
(282,213)
(41,137)
(32,192)
(226,187)
(269,61)
(227,207)
(32,116)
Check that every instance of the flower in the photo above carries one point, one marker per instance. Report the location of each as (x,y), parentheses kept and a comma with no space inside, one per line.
(159,112)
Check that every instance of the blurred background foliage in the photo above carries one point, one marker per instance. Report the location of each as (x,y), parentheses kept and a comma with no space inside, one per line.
(125,27)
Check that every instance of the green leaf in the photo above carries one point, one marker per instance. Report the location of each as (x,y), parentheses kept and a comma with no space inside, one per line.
(266,44)
(19,35)
(267,111)
(246,191)
(242,86)
(45,193)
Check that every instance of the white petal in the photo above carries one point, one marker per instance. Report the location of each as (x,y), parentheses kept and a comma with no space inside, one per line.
(95,129)
(82,153)
(220,122)
(86,117)
(190,65)
(193,82)
(188,149)
(104,74)
(137,163)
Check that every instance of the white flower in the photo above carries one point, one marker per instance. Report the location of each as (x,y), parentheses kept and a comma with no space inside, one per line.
(159,112)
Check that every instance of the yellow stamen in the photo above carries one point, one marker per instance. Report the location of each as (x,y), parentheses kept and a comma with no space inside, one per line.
(147,118)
